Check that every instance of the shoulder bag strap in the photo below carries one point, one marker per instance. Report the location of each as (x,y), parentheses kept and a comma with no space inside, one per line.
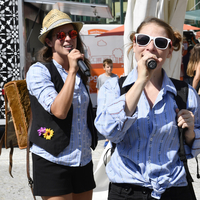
(181,101)
(30,180)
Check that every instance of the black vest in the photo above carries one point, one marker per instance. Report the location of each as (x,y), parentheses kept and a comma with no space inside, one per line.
(61,127)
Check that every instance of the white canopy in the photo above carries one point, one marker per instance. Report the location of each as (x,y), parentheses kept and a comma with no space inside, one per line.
(193,15)
(171,11)
(73,8)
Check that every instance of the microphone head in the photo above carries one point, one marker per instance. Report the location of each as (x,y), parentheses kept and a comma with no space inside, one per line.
(152,64)
(87,73)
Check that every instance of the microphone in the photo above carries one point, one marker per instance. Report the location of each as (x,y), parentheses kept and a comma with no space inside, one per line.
(151,63)
(84,68)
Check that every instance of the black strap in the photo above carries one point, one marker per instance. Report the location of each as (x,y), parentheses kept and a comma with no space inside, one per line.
(123,90)
(2,142)
(181,101)
(198,175)
(30,180)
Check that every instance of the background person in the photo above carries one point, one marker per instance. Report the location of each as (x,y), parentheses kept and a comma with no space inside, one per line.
(185,60)
(62,129)
(144,122)
(108,67)
(193,68)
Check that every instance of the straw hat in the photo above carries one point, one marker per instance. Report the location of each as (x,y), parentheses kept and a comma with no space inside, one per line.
(54,19)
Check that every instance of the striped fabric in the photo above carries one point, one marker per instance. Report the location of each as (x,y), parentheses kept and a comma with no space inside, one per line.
(147,142)
(39,84)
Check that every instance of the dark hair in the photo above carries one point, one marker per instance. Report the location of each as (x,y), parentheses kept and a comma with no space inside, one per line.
(45,54)
(173,35)
(107,61)
(190,48)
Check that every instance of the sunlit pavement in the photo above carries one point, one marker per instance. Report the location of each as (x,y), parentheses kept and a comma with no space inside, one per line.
(17,188)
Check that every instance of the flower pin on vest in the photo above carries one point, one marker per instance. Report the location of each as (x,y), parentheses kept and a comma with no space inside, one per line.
(47,133)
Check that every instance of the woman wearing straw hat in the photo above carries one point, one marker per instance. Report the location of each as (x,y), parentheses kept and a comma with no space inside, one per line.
(62,132)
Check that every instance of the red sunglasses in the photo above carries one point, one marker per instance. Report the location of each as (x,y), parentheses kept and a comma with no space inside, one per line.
(62,35)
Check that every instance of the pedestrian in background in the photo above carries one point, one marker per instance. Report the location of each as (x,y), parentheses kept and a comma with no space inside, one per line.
(108,67)
(193,68)
(185,60)
(62,132)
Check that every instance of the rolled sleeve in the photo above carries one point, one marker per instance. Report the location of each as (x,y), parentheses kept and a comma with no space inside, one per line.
(111,120)
(39,84)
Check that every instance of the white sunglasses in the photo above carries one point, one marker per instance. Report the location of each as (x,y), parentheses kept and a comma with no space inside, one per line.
(159,42)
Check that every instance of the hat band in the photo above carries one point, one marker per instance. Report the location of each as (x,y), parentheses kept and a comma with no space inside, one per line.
(58,22)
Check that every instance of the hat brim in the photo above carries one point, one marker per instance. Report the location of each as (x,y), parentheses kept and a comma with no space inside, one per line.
(78,25)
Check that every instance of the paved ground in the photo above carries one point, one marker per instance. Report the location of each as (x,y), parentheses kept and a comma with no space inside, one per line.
(17,188)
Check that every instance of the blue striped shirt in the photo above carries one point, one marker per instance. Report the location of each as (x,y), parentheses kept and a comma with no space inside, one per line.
(147,142)
(39,84)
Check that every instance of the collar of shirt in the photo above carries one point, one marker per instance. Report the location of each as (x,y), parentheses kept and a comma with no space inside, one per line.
(60,68)
(167,85)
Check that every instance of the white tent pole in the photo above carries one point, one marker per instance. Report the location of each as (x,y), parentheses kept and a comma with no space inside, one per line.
(195,6)
(171,11)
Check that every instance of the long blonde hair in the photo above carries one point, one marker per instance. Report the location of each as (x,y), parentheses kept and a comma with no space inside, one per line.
(194,60)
